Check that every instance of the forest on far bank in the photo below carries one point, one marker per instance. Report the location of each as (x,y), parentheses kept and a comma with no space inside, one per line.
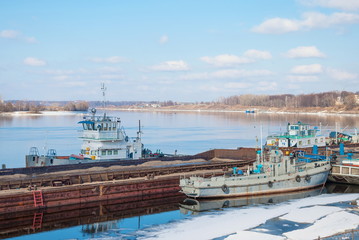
(36,107)
(348,100)
(334,99)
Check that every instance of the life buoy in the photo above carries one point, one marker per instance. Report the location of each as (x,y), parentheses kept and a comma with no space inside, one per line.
(307,178)
(270,184)
(297,178)
(225,188)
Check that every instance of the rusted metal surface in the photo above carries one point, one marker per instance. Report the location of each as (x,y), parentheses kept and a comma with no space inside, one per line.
(84,193)
(71,178)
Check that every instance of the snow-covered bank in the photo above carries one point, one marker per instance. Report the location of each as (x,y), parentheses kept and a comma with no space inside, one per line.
(264,111)
(321,218)
(43,113)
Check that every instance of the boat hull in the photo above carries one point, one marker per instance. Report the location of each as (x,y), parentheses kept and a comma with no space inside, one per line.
(220,187)
(40,161)
(342,173)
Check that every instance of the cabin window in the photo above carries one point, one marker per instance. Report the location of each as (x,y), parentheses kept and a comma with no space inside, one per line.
(84,126)
(115,152)
(93,152)
(114,126)
(105,126)
(308,141)
(300,143)
(316,140)
(321,140)
(103,152)
(109,152)
(83,151)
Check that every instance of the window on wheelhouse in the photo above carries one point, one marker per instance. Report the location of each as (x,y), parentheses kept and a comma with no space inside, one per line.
(103,152)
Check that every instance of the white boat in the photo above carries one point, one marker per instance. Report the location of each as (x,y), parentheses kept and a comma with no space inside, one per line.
(103,139)
(299,135)
(276,173)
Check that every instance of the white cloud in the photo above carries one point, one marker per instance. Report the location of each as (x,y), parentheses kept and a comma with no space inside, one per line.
(112,76)
(301,79)
(234,73)
(238,85)
(164,39)
(340,74)
(227,74)
(34,62)
(277,26)
(310,20)
(265,86)
(11,34)
(59,72)
(114,59)
(304,52)
(110,69)
(307,69)
(171,66)
(61,77)
(225,60)
(257,54)
(349,5)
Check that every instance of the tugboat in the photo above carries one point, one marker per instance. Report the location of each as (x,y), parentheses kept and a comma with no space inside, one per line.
(278,172)
(104,139)
(299,135)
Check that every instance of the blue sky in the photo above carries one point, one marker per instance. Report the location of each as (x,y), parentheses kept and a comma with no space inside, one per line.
(176,50)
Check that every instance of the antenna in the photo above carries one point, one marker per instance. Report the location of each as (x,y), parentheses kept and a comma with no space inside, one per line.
(103,89)
(139,130)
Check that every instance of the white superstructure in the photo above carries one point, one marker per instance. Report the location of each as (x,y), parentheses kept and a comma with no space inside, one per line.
(104,138)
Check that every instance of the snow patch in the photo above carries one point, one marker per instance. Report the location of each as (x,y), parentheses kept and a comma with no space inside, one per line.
(233,221)
(246,235)
(334,223)
(309,214)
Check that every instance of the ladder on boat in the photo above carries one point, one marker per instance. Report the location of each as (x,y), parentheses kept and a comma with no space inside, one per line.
(38,199)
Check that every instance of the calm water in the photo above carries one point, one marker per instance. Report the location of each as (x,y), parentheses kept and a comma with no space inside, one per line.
(186,132)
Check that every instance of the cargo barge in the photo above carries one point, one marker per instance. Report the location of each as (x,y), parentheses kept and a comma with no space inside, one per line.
(34,188)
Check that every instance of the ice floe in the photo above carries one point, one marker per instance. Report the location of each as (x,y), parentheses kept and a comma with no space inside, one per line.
(240,223)
(328,225)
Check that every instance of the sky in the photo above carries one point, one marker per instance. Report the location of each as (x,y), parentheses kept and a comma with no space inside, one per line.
(180,50)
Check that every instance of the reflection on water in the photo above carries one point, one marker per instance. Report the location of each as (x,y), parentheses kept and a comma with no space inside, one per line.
(124,220)
(195,205)
(342,188)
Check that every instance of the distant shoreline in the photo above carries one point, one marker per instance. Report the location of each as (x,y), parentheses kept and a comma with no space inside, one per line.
(197,109)
(242,110)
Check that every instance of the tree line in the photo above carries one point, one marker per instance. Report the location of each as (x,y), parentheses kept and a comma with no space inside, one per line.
(31,106)
(349,100)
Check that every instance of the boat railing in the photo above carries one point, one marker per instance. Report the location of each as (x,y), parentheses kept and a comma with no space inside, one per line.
(98,135)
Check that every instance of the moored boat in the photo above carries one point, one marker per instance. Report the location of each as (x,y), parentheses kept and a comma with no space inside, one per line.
(299,135)
(103,139)
(345,167)
(278,172)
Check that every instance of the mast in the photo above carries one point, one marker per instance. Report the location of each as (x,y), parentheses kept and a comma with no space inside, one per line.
(139,130)
(103,90)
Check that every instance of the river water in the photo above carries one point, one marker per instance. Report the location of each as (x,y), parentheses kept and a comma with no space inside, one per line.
(186,132)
